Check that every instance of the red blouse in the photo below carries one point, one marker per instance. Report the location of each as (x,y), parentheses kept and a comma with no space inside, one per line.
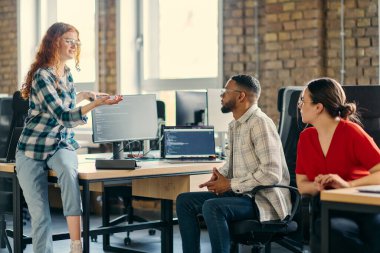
(352,153)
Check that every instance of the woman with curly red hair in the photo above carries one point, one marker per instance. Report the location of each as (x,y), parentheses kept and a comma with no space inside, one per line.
(47,140)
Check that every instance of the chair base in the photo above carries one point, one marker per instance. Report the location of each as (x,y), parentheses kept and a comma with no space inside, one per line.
(4,241)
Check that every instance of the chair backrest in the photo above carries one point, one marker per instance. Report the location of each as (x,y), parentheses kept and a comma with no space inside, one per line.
(20,108)
(5,123)
(290,127)
(280,98)
(367,99)
(160,110)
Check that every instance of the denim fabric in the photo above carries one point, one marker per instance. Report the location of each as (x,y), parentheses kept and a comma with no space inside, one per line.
(32,175)
(350,233)
(217,212)
(65,163)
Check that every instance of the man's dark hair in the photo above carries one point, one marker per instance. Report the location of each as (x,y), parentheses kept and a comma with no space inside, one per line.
(249,83)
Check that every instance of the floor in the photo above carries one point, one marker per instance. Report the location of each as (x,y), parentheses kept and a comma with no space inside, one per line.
(141,240)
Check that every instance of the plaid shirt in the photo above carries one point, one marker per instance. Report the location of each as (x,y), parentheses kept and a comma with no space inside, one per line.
(51,115)
(257,158)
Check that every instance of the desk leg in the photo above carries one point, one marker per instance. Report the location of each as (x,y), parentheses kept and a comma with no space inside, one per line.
(105,217)
(167,231)
(86,216)
(17,216)
(325,230)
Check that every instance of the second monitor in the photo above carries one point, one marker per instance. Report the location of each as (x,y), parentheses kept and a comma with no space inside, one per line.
(134,118)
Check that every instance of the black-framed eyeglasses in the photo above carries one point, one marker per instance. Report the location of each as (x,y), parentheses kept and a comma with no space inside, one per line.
(73,42)
(302,101)
(224,90)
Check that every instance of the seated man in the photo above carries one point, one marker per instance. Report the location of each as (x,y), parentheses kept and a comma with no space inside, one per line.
(256,158)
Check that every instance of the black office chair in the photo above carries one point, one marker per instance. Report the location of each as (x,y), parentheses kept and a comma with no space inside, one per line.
(5,123)
(261,234)
(5,208)
(367,99)
(19,108)
(280,101)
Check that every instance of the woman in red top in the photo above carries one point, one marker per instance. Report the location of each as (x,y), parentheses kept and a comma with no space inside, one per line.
(337,153)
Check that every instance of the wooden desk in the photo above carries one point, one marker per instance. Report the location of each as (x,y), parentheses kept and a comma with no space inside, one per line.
(156,179)
(349,199)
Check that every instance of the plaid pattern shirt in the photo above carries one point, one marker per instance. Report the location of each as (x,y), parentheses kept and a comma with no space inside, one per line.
(51,115)
(256,158)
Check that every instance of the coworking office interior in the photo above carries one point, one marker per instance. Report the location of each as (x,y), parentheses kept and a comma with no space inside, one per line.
(290,36)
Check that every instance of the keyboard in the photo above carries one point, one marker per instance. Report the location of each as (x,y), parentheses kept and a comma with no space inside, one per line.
(370,189)
(179,161)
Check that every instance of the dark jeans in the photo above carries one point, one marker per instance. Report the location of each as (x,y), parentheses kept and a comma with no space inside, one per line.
(217,212)
(350,233)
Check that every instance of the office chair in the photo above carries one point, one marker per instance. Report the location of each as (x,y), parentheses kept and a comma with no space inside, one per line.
(19,108)
(367,99)
(261,234)
(5,123)
(5,208)
(289,130)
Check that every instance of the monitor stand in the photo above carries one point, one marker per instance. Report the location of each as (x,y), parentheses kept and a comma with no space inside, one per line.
(117,162)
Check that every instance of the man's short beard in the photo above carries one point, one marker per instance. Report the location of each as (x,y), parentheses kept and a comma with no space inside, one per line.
(225,109)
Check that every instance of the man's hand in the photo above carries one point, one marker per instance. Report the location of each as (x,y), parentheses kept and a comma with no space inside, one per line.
(213,178)
(218,183)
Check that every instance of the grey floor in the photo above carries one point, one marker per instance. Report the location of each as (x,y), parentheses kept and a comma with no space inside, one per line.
(141,240)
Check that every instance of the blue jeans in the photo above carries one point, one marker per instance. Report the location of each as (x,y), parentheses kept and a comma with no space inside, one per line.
(217,212)
(32,176)
(351,232)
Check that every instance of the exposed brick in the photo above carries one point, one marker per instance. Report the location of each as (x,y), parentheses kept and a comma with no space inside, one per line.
(291,25)
(270,37)
(364,22)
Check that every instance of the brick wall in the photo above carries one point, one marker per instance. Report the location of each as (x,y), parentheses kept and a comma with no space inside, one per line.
(299,40)
(8,46)
(107,46)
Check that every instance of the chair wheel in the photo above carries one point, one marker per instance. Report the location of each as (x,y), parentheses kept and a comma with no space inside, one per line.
(94,238)
(127,241)
(152,231)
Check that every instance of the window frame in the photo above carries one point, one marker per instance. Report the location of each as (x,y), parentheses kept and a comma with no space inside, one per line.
(136,68)
(35,17)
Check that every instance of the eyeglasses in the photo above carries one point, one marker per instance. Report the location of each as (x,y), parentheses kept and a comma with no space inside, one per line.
(223,91)
(73,42)
(301,101)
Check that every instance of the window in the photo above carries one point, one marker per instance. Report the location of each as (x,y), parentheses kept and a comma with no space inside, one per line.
(72,12)
(177,44)
(35,19)
(183,43)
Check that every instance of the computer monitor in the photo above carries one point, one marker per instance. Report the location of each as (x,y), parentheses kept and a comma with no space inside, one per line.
(188,142)
(134,118)
(215,117)
(190,108)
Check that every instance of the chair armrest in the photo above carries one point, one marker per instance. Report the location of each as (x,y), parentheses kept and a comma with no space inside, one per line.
(294,192)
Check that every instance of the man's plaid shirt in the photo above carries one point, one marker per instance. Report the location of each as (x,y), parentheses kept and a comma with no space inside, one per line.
(256,158)
(51,116)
